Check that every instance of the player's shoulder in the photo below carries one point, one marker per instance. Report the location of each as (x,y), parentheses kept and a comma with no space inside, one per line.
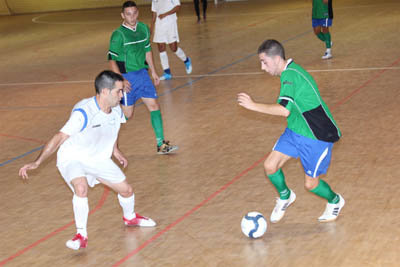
(142,25)
(87,105)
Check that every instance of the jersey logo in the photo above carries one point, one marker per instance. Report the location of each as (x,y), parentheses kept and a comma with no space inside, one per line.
(286,82)
(97,125)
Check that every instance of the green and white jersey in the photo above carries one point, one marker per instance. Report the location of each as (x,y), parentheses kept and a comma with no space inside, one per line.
(309,115)
(320,10)
(128,47)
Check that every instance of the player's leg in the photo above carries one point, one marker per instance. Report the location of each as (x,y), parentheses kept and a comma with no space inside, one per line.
(182,56)
(204,9)
(318,33)
(126,199)
(322,189)
(164,61)
(273,168)
(81,212)
(129,98)
(163,146)
(315,157)
(197,9)
(327,36)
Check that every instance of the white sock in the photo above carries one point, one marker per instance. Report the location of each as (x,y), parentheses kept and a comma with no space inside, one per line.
(128,206)
(81,213)
(328,50)
(179,53)
(164,60)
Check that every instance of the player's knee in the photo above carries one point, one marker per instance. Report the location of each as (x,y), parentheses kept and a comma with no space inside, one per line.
(127,191)
(270,167)
(310,184)
(81,190)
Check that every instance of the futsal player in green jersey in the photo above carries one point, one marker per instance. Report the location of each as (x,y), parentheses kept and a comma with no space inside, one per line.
(310,133)
(322,16)
(130,55)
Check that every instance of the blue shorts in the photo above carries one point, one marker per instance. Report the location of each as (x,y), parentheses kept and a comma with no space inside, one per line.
(315,155)
(321,22)
(141,86)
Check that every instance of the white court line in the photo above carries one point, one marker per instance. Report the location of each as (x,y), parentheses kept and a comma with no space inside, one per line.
(301,10)
(207,75)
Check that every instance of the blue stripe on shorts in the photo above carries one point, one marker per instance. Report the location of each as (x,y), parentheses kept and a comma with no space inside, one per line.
(141,86)
(315,155)
(321,22)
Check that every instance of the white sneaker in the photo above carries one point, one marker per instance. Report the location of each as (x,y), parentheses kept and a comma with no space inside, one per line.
(332,210)
(139,221)
(327,55)
(281,206)
(77,242)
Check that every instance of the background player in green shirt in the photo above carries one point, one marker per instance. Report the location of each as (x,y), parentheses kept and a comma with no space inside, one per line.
(322,16)
(310,133)
(130,55)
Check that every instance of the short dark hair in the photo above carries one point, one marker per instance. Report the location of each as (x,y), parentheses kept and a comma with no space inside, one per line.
(272,48)
(128,4)
(106,79)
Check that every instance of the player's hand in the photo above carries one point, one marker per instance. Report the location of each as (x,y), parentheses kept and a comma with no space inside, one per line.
(161,16)
(155,78)
(127,86)
(23,172)
(245,101)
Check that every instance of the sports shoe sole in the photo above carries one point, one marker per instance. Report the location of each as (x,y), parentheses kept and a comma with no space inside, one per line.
(174,148)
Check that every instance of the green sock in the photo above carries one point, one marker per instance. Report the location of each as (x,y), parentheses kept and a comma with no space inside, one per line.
(327,39)
(157,123)
(278,180)
(321,36)
(324,190)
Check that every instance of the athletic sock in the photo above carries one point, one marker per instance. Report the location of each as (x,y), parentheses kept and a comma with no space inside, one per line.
(321,37)
(179,53)
(278,180)
(128,206)
(164,60)
(157,123)
(81,213)
(327,37)
(324,190)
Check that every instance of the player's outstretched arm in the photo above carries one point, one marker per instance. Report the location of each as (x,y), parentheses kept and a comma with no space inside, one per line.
(51,146)
(119,156)
(245,101)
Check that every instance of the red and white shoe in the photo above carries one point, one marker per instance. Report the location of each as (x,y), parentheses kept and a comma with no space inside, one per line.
(77,242)
(139,221)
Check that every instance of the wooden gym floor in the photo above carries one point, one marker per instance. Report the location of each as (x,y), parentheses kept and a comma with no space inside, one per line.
(199,195)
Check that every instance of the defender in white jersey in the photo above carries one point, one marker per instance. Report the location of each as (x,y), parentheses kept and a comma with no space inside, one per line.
(86,144)
(165,28)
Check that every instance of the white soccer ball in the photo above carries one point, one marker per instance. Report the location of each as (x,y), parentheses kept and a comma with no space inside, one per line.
(254,224)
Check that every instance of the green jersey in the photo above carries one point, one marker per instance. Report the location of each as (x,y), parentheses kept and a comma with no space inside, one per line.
(309,115)
(320,10)
(128,47)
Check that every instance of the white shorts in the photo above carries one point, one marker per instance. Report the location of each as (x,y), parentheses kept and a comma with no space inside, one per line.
(166,32)
(104,169)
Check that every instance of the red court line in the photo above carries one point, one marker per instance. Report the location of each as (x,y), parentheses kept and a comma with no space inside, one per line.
(23,138)
(22,251)
(166,229)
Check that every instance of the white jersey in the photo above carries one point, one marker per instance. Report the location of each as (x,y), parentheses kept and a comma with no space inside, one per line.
(163,6)
(92,132)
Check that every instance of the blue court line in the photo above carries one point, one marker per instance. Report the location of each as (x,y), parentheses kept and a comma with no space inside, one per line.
(179,87)
(21,156)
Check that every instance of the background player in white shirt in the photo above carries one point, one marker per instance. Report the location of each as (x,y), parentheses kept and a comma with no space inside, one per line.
(86,143)
(165,28)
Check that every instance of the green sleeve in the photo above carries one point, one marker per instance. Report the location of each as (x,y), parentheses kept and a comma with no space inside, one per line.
(147,45)
(286,95)
(116,51)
